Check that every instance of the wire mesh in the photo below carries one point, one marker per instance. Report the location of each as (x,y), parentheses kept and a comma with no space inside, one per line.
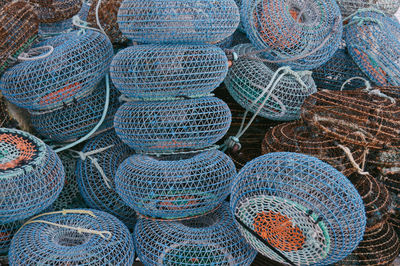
(98,190)
(44,242)
(175,186)
(303,34)
(165,126)
(55,10)
(349,7)
(307,211)
(178,21)
(32,175)
(247,79)
(390,177)
(7,232)
(168,70)
(212,239)
(71,71)
(372,39)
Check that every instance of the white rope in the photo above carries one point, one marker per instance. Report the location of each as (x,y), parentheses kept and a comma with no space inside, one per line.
(97,18)
(76,20)
(349,155)
(27,56)
(367,83)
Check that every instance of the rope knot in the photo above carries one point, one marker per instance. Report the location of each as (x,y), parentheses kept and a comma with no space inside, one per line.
(233,142)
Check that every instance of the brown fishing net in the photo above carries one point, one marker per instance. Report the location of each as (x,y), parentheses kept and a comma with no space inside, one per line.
(18,28)
(50,11)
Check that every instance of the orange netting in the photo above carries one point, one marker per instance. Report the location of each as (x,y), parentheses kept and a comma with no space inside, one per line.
(26,150)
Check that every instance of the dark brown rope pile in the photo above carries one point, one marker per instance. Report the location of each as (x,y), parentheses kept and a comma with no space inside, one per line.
(50,11)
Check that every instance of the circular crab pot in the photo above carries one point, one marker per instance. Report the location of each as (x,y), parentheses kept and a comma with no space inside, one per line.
(294,208)
(68,67)
(349,7)
(212,239)
(55,10)
(178,21)
(168,70)
(303,35)
(72,237)
(164,126)
(32,175)
(175,186)
(7,232)
(249,83)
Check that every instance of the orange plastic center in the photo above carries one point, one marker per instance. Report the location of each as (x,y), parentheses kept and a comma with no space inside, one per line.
(26,150)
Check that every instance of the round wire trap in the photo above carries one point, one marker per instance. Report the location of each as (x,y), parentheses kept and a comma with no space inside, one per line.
(49,11)
(7,231)
(349,7)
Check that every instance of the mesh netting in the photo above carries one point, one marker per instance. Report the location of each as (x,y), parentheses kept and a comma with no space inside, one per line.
(373,41)
(304,209)
(55,10)
(32,175)
(7,232)
(18,28)
(390,177)
(297,137)
(175,186)
(78,118)
(154,71)
(164,126)
(12,116)
(178,21)
(73,237)
(72,66)
(254,84)
(348,7)
(212,239)
(301,34)
(96,174)
(225,43)
(359,117)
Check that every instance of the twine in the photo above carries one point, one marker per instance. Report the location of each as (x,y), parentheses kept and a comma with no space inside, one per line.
(26,56)
(367,83)
(124,98)
(349,155)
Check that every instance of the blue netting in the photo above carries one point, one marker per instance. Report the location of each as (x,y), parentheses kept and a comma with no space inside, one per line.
(42,241)
(175,186)
(212,239)
(247,79)
(7,232)
(178,21)
(77,63)
(154,71)
(164,126)
(304,34)
(348,7)
(301,206)
(98,190)
(76,119)
(373,40)
(31,175)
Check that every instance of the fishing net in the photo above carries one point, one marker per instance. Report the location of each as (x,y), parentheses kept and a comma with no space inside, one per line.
(69,67)
(175,186)
(279,92)
(225,43)
(178,21)
(212,239)
(18,29)
(349,7)
(372,40)
(32,175)
(389,176)
(7,232)
(72,237)
(96,169)
(168,70)
(366,118)
(12,116)
(165,126)
(50,11)
(296,209)
(78,118)
(297,137)
(300,34)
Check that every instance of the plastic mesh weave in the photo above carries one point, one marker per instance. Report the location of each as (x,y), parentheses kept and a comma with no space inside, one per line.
(154,71)
(32,175)
(323,206)
(372,40)
(71,71)
(248,78)
(303,33)
(208,240)
(178,21)
(7,232)
(175,186)
(55,10)
(39,243)
(348,7)
(164,126)
(98,191)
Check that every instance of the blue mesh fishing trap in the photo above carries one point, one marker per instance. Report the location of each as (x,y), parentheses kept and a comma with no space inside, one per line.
(212,239)
(96,170)
(372,39)
(7,232)
(165,126)
(348,7)
(175,186)
(301,34)
(295,208)
(168,70)
(250,82)
(31,175)
(178,21)
(73,64)
(73,237)
(76,119)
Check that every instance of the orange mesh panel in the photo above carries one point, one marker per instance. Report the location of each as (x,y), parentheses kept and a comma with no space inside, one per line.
(26,150)
(172,202)
(61,94)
